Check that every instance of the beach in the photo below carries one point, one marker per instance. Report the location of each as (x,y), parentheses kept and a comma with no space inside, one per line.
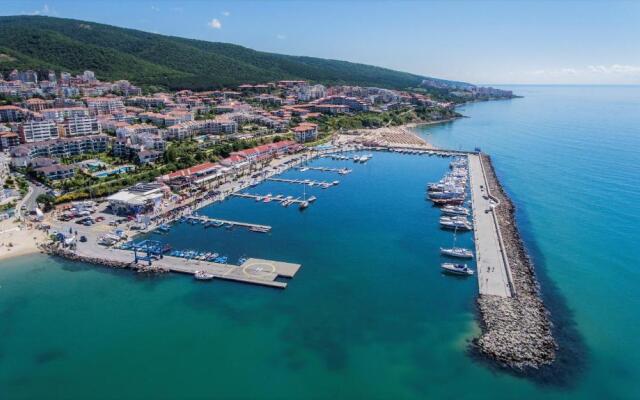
(18,240)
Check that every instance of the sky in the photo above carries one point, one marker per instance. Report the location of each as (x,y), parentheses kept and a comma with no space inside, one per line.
(482,42)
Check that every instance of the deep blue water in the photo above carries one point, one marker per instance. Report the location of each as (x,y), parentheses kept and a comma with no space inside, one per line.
(368,315)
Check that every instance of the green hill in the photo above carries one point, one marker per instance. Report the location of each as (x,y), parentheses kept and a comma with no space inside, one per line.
(150,59)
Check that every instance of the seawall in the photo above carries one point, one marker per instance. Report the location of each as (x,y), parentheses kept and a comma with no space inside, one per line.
(516,331)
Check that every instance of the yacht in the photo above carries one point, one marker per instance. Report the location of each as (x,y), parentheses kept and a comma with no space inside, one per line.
(456,225)
(456,269)
(203,276)
(458,252)
(304,205)
(454,210)
(312,199)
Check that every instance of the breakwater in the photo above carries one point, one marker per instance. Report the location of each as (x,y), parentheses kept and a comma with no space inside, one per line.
(516,331)
(53,249)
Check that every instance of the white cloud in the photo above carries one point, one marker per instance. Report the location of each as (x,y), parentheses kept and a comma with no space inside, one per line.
(281,36)
(615,69)
(215,24)
(226,13)
(45,10)
(590,74)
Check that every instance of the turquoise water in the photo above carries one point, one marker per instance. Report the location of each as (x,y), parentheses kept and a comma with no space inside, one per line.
(368,315)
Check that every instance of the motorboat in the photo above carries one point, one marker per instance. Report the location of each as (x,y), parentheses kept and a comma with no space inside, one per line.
(458,252)
(456,269)
(203,276)
(454,210)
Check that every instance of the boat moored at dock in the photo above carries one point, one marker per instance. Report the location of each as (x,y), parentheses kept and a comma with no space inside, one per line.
(456,269)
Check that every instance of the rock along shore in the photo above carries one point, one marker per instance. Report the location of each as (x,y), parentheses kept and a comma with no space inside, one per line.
(516,331)
(54,250)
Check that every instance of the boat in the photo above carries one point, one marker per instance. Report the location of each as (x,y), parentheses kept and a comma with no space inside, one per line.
(221,259)
(454,210)
(356,159)
(242,260)
(456,269)
(335,182)
(312,199)
(458,252)
(164,228)
(304,169)
(260,229)
(203,276)
(456,225)
(303,205)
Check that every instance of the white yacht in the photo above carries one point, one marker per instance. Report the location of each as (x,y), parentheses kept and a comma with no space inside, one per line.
(456,269)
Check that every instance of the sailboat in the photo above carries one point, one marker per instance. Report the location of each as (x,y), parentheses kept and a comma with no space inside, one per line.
(458,252)
(304,203)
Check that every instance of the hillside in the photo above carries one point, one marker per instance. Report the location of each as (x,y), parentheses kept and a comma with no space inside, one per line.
(150,59)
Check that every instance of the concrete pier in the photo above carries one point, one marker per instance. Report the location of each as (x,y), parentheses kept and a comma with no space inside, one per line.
(494,276)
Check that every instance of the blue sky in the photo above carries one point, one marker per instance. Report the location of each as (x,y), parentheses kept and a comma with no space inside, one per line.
(491,42)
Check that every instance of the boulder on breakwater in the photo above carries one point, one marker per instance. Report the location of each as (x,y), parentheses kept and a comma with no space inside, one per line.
(516,331)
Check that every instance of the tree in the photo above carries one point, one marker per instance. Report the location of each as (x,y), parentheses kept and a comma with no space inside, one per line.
(46,200)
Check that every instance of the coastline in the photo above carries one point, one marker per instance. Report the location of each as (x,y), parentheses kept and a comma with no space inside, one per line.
(24,241)
(516,331)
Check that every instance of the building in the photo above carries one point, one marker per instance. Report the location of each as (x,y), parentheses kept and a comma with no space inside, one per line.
(38,131)
(56,172)
(82,126)
(59,148)
(9,140)
(59,114)
(138,199)
(149,156)
(12,114)
(305,132)
(205,173)
(105,105)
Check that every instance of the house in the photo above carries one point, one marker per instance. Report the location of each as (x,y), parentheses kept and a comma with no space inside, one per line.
(58,148)
(148,156)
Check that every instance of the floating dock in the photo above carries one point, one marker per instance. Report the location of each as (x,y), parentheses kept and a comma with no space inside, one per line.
(227,222)
(307,182)
(279,198)
(341,171)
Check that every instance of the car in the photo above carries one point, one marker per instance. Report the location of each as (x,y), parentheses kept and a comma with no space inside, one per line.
(99,219)
(83,239)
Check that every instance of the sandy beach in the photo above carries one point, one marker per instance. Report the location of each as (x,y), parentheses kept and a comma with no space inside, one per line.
(394,136)
(17,240)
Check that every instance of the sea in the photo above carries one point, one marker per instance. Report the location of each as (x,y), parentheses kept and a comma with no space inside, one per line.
(369,315)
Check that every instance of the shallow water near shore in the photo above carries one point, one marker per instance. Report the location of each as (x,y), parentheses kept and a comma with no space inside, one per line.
(368,315)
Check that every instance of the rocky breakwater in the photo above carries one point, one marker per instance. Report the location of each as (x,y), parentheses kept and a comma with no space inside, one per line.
(55,249)
(516,331)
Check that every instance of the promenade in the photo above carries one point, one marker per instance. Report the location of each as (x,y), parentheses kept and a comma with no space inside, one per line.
(492,264)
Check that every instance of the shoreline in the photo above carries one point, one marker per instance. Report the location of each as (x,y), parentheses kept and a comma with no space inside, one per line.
(25,241)
(516,331)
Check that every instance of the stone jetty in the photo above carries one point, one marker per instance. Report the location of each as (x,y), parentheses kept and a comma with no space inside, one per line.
(54,249)
(516,331)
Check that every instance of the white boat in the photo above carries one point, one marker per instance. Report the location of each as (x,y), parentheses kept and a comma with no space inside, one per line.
(456,269)
(458,252)
(203,276)
(312,199)
(454,210)
(304,205)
